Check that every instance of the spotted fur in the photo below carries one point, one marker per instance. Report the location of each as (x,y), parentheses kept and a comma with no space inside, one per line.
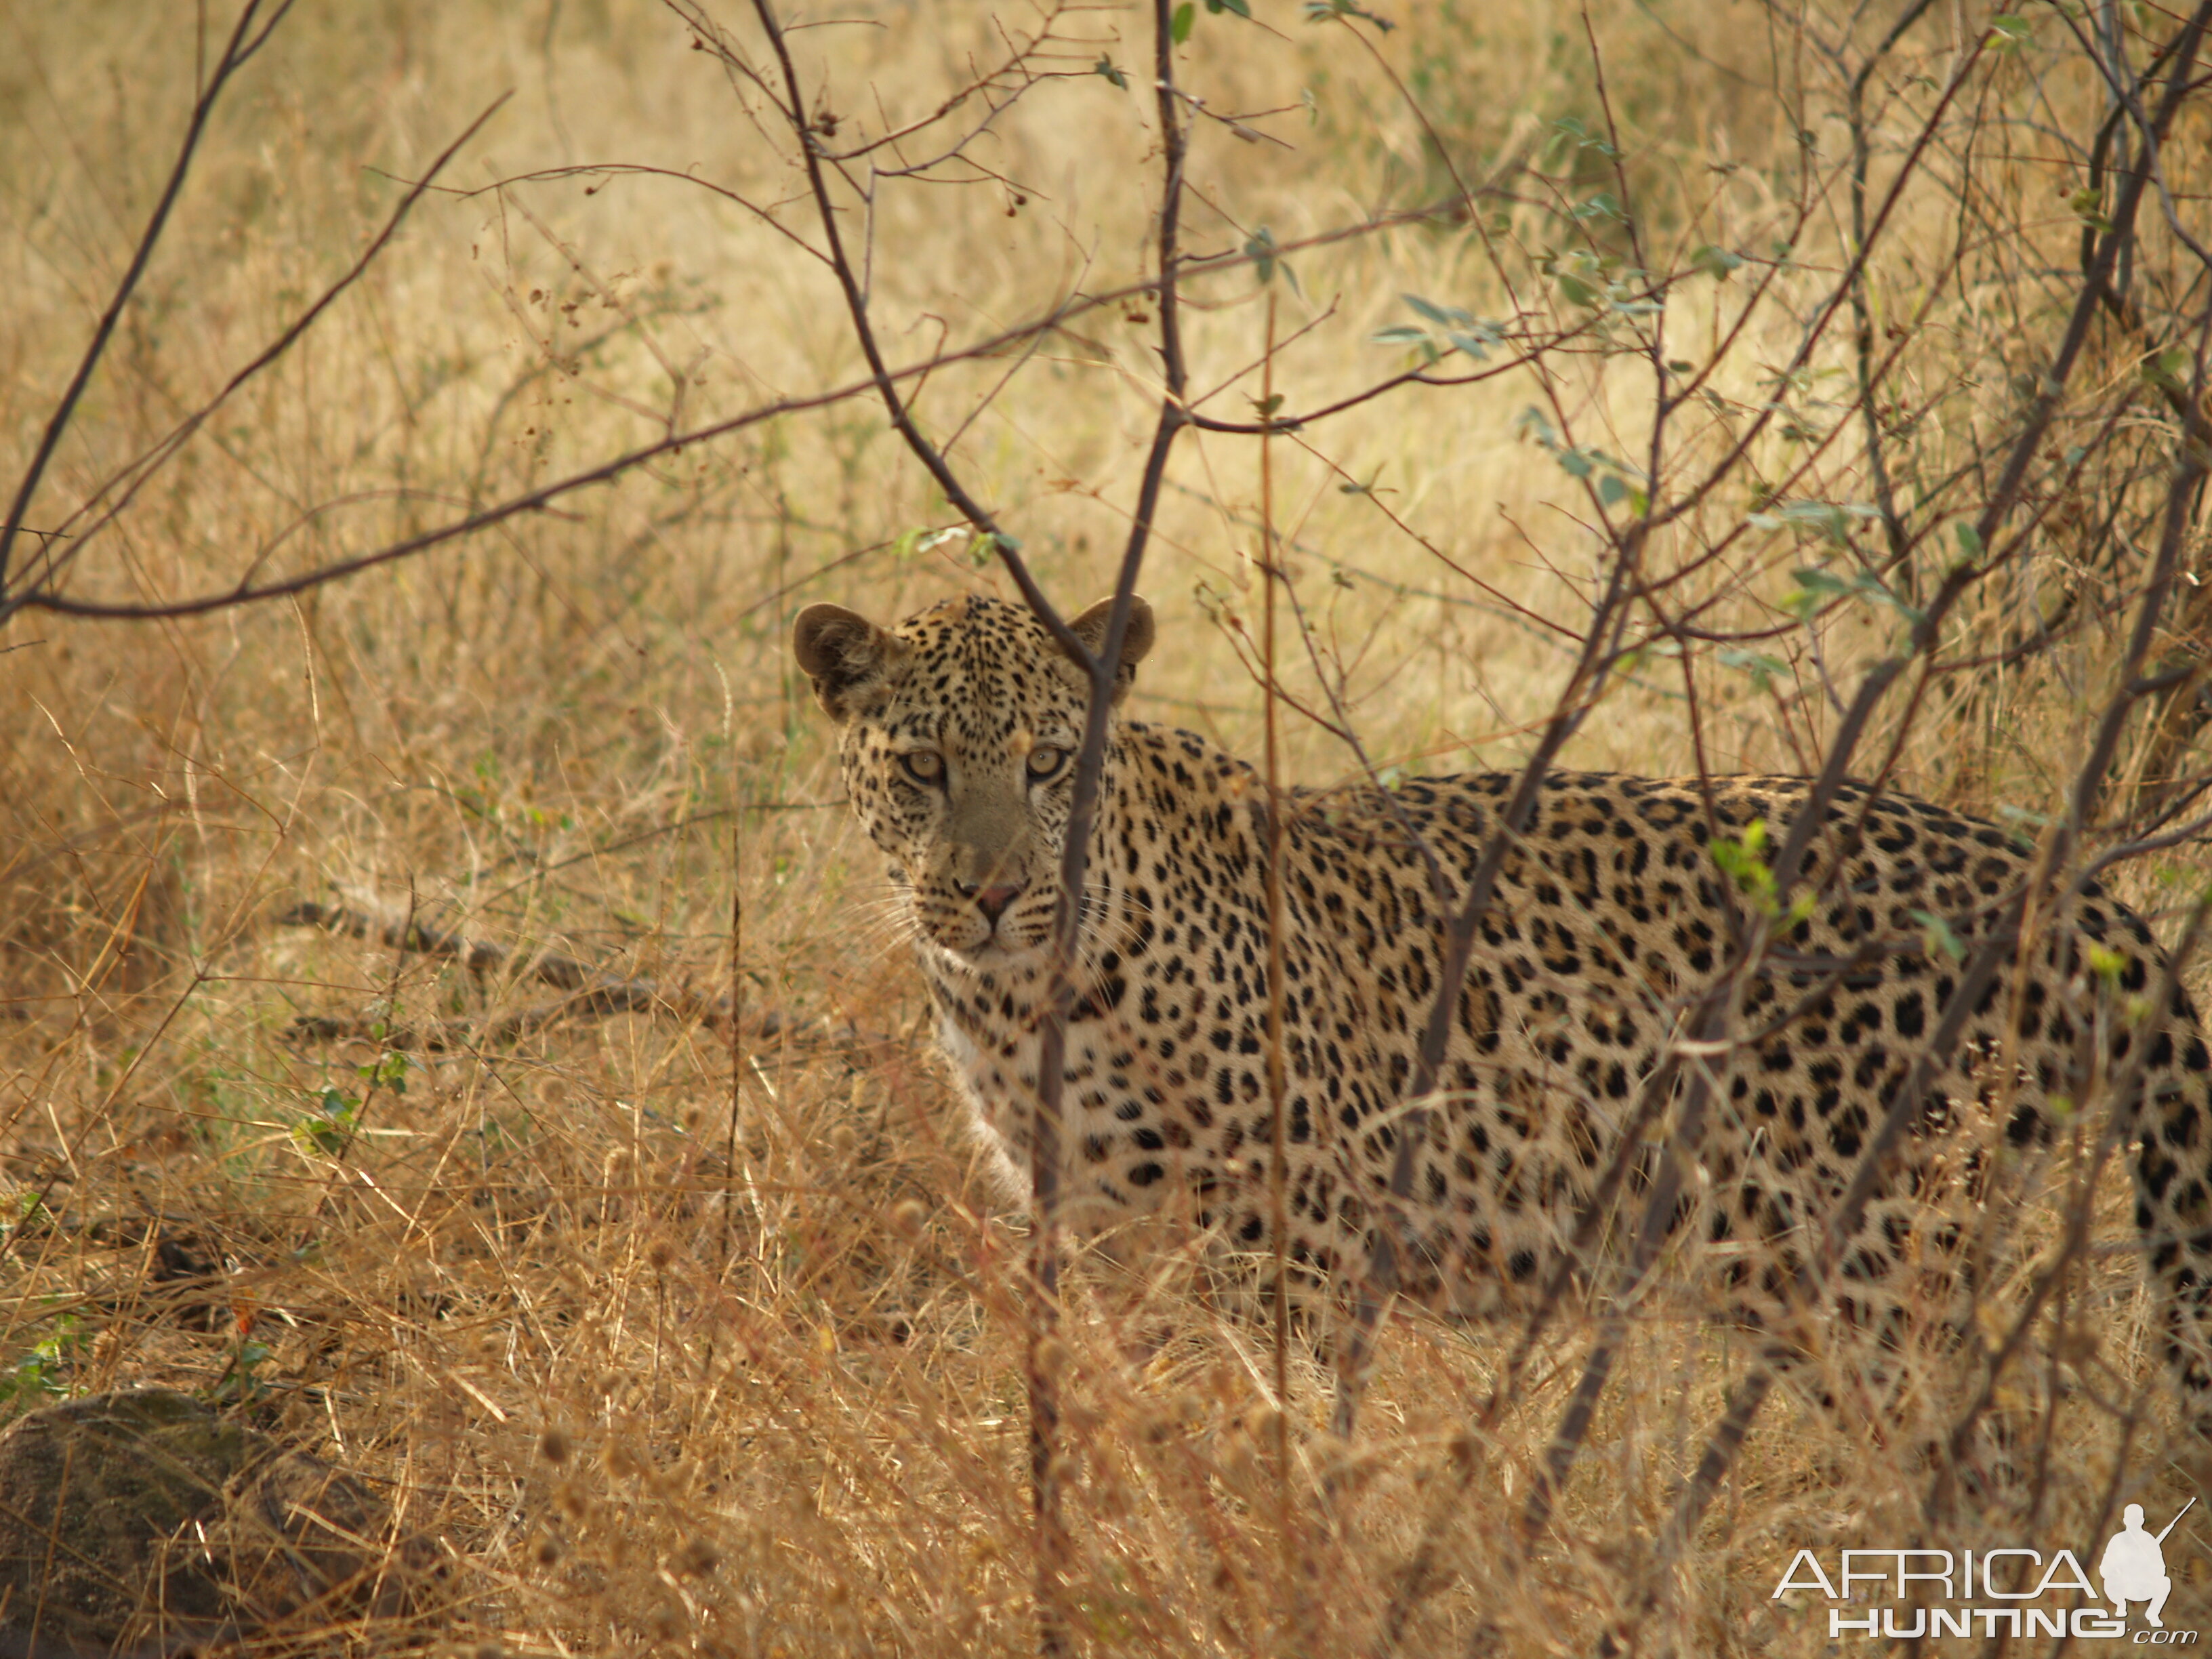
(1611,920)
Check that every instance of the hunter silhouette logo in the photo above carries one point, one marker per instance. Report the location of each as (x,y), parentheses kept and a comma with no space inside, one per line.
(2133,1566)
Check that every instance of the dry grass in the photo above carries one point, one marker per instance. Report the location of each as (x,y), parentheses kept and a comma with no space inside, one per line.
(671,1360)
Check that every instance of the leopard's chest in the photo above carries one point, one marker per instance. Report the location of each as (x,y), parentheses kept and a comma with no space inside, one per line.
(1136,1126)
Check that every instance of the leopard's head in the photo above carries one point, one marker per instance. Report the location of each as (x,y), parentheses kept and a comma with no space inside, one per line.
(959,731)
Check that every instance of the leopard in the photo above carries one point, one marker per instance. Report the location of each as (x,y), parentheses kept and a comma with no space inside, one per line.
(1581,1031)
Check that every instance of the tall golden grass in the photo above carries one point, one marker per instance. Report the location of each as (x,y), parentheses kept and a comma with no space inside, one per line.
(678,1343)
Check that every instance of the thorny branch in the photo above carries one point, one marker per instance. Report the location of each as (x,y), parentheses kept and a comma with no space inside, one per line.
(1043,1379)
(591,990)
(246,40)
(544,497)
(1995,942)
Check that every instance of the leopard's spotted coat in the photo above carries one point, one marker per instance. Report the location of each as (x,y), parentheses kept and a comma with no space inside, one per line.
(1610,920)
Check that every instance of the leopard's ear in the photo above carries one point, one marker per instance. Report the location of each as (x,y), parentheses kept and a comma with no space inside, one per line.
(1136,641)
(852,662)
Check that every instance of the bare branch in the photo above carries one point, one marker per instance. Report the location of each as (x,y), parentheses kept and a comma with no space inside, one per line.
(236,52)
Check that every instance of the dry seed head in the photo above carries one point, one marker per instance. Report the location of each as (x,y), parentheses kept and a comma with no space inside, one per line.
(1052,1357)
(553,1447)
(844,1140)
(1465,1448)
(698,1557)
(660,1252)
(906,1216)
(550,1550)
(1235,1458)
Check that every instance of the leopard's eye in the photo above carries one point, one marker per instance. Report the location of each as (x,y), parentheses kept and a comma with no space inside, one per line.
(1045,762)
(923,765)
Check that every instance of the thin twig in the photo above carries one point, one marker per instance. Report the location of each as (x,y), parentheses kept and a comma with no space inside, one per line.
(237,52)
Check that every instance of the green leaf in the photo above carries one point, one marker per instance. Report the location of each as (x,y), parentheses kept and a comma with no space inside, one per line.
(1815,591)
(1716,262)
(1600,206)
(2009,32)
(1761,667)
(1611,490)
(1571,127)
(1577,291)
(1969,540)
(23,1209)
(1746,861)
(1185,15)
(1265,261)
(329,1127)
(1436,314)
(1105,66)
(1241,7)
(1461,331)
(1818,589)
(1477,340)
(2163,369)
(1937,937)
(1323,11)
(1830,519)
(2088,205)
(389,1073)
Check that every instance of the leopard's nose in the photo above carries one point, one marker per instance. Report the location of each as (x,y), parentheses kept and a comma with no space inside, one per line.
(992,901)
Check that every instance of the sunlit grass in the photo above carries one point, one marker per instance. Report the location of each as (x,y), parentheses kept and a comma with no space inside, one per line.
(773,1325)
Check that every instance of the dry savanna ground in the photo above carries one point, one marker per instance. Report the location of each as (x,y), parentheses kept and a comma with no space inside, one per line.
(675,1342)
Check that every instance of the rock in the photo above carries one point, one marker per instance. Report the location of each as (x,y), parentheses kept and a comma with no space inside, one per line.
(143,1524)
